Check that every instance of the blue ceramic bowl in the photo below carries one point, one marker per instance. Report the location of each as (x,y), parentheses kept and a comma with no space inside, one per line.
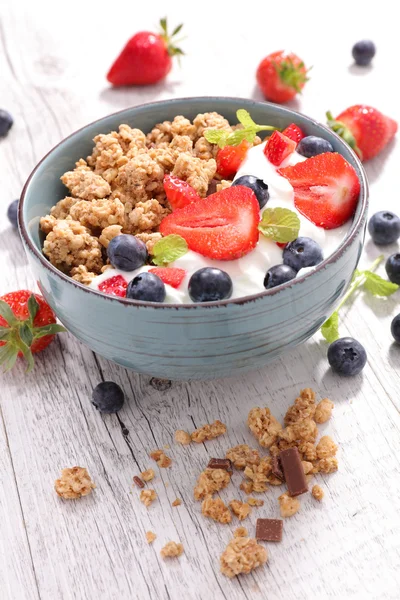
(196,341)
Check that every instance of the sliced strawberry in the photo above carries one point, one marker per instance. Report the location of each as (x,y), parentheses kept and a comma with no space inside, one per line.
(115,285)
(179,192)
(169,275)
(293,132)
(326,189)
(278,147)
(230,158)
(223,226)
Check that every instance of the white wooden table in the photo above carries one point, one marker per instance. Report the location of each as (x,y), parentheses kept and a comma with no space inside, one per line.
(53,59)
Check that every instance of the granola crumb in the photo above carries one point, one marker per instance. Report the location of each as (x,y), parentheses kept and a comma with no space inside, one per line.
(259,475)
(240,532)
(303,407)
(242,555)
(240,509)
(216,509)
(327,465)
(317,492)
(147,497)
(246,486)
(223,184)
(208,432)
(211,481)
(326,447)
(242,456)
(150,239)
(74,482)
(150,537)
(82,275)
(177,502)
(254,501)
(323,412)
(83,183)
(182,437)
(161,458)
(288,505)
(264,426)
(171,550)
(307,466)
(147,475)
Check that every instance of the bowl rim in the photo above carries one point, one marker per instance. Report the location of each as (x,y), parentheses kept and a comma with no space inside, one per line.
(354,230)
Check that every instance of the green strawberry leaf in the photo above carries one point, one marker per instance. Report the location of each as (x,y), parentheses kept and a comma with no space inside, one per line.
(279,224)
(51,329)
(7,314)
(169,249)
(25,333)
(330,329)
(33,307)
(379,286)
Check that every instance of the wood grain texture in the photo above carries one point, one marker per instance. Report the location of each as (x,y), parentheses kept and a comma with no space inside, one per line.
(52,80)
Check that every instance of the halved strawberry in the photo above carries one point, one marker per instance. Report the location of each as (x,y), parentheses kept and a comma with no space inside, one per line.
(170,275)
(326,189)
(115,285)
(230,158)
(293,132)
(278,147)
(223,226)
(179,192)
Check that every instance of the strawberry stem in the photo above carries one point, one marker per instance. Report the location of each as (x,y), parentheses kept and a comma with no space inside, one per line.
(292,75)
(344,132)
(169,40)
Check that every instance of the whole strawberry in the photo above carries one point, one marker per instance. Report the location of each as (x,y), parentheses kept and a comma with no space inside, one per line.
(364,128)
(146,58)
(281,76)
(27,326)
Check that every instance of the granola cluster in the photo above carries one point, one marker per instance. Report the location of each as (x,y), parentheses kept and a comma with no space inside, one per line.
(208,432)
(242,555)
(147,497)
(119,189)
(74,483)
(161,459)
(171,550)
(216,509)
(211,481)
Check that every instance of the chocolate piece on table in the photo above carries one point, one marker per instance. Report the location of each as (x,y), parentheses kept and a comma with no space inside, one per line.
(293,470)
(269,530)
(138,481)
(277,468)
(221,463)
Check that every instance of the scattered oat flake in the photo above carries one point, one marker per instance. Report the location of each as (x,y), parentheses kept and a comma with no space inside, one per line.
(208,432)
(171,550)
(147,475)
(240,532)
(150,537)
(317,492)
(254,501)
(182,437)
(240,509)
(147,497)
(74,482)
(177,502)
(161,458)
(242,555)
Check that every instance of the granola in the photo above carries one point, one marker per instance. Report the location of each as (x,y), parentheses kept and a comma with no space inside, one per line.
(216,509)
(317,492)
(288,505)
(323,411)
(264,426)
(74,483)
(242,555)
(240,509)
(171,550)
(150,537)
(161,458)
(208,432)
(147,497)
(211,481)
(243,456)
(147,475)
(182,437)
(240,532)
(176,502)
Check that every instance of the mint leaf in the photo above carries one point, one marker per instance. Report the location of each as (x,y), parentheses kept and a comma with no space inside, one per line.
(234,139)
(217,136)
(245,119)
(280,224)
(379,286)
(330,329)
(169,249)
(249,131)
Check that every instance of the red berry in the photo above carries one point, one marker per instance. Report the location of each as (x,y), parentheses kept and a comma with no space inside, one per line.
(282,244)
(223,226)
(230,158)
(281,76)
(326,189)
(364,128)
(278,147)
(170,275)
(179,192)
(293,132)
(115,285)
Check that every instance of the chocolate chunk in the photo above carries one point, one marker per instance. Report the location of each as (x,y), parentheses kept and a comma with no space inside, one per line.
(293,471)
(220,463)
(269,530)
(138,482)
(277,468)
(212,187)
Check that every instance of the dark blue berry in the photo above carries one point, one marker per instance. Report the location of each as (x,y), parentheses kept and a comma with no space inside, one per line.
(363,52)
(384,227)
(302,252)
(146,287)
(347,356)
(313,145)
(278,275)
(12,213)
(210,284)
(6,122)
(126,252)
(108,397)
(392,267)
(257,185)
(395,328)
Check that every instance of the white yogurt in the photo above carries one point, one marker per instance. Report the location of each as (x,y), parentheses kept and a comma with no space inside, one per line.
(248,273)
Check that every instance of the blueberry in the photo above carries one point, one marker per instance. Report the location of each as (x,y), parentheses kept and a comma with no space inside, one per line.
(363,52)
(6,122)
(146,287)
(278,275)
(257,185)
(347,357)
(384,227)
(313,145)
(209,284)
(12,213)
(126,252)
(108,397)
(392,267)
(302,252)
(395,328)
